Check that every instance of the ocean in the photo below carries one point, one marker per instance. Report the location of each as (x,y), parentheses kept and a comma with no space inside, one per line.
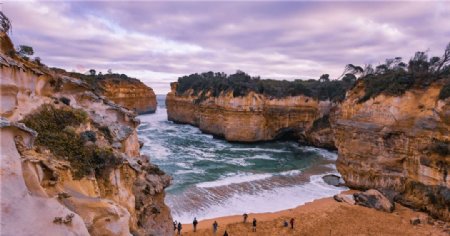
(213,178)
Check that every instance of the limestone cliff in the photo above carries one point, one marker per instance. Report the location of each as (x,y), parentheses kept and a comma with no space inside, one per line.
(46,193)
(129,93)
(398,144)
(253,117)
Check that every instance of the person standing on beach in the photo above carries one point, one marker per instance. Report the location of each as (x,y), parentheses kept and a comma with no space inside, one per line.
(175,226)
(179,228)
(195,224)
(292,223)
(254,225)
(245,217)
(215,226)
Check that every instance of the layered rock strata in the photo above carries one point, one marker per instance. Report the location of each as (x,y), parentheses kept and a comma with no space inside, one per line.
(40,195)
(253,117)
(130,93)
(400,145)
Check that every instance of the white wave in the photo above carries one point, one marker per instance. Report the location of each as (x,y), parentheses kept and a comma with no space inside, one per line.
(265,201)
(191,171)
(256,149)
(236,161)
(329,155)
(233,179)
(290,172)
(261,157)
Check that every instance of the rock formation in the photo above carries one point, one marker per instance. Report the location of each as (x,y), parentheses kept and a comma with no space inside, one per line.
(46,193)
(253,117)
(129,93)
(398,144)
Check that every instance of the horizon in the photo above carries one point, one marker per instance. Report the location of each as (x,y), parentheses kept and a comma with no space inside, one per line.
(158,42)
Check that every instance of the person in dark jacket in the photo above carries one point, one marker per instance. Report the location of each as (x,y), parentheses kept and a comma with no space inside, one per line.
(292,223)
(215,226)
(195,222)
(254,225)
(179,228)
(245,215)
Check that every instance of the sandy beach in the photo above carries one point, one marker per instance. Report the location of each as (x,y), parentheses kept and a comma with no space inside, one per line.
(325,217)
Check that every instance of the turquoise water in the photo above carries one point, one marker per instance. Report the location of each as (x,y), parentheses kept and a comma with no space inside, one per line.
(213,178)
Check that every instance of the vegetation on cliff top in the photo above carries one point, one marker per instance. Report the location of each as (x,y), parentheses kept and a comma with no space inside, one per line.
(240,84)
(94,79)
(393,78)
(56,132)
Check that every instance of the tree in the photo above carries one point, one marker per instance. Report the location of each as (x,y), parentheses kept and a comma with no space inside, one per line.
(5,24)
(419,63)
(38,60)
(445,59)
(324,78)
(92,72)
(349,78)
(352,69)
(25,50)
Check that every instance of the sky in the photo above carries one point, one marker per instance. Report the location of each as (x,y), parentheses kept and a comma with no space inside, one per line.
(157,42)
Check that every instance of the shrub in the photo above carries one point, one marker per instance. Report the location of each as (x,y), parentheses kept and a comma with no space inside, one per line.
(89,136)
(153,170)
(25,50)
(56,132)
(240,84)
(395,77)
(445,92)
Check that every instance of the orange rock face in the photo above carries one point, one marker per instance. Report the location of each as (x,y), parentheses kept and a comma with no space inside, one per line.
(131,94)
(251,118)
(399,144)
(40,187)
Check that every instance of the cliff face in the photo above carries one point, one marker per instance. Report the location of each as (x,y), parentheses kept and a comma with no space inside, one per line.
(130,93)
(400,144)
(251,118)
(40,186)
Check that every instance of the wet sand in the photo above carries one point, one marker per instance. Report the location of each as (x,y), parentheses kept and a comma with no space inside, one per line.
(325,217)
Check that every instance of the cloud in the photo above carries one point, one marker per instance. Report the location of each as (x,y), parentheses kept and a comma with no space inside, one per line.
(160,41)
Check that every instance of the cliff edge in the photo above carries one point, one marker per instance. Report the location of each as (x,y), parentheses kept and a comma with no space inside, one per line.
(251,118)
(398,144)
(70,159)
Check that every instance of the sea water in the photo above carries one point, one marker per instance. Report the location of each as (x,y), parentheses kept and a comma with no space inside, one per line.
(213,178)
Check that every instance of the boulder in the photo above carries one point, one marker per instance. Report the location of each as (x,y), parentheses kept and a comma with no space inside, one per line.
(374,199)
(347,198)
(333,180)
(414,221)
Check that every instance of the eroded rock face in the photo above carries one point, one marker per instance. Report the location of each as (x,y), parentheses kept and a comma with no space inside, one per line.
(130,93)
(398,144)
(251,118)
(39,186)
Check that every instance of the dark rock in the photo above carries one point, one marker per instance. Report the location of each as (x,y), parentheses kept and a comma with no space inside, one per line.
(414,221)
(65,100)
(333,180)
(374,199)
(141,144)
